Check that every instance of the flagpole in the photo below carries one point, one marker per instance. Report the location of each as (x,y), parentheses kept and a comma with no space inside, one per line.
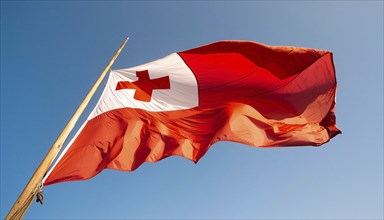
(34,185)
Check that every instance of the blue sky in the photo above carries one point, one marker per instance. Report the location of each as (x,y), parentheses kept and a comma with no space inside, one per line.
(53,51)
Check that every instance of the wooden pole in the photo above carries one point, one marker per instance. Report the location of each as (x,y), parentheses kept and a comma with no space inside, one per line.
(27,195)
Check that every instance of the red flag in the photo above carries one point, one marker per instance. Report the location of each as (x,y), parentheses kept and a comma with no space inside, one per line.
(258,95)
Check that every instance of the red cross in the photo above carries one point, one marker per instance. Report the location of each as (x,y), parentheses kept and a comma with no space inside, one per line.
(144,86)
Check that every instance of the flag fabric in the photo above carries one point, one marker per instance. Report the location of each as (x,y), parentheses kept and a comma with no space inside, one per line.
(239,91)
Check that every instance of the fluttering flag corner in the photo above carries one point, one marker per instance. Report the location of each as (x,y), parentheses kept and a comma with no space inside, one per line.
(240,91)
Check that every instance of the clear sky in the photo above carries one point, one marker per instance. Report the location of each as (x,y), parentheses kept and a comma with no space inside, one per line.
(53,51)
